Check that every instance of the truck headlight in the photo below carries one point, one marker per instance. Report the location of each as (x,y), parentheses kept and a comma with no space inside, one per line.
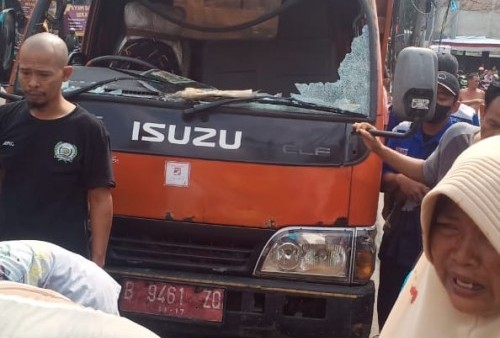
(321,253)
(342,255)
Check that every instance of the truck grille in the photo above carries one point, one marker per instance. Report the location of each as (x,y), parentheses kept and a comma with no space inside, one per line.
(185,246)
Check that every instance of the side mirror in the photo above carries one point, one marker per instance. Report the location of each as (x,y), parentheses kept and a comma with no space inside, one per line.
(415,89)
(7,41)
(415,84)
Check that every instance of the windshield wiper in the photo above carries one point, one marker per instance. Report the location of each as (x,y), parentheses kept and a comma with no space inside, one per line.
(131,76)
(209,105)
(72,93)
(264,99)
(150,77)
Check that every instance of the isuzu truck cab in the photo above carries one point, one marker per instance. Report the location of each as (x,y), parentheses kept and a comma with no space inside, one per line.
(245,204)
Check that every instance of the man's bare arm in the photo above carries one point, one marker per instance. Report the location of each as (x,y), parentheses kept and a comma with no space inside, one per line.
(465,97)
(101,216)
(472,101)
(406,165)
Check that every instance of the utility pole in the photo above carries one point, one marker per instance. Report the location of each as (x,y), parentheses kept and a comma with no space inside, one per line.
(417,37)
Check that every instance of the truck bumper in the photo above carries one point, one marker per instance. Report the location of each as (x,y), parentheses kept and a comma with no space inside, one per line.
(262,307)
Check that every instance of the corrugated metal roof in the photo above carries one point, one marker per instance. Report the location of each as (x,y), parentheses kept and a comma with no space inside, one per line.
(472,44)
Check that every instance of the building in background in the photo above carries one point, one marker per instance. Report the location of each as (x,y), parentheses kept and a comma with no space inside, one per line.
(74,17)
(472,30)
(469,29)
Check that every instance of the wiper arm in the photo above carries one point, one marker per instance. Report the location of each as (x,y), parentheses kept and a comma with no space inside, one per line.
(149,77)
(270,100)
(141,76)
(72,93)
(131,76)
(293,102)
(209,105)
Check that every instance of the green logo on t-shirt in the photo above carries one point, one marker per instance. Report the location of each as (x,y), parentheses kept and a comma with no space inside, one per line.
(65,152)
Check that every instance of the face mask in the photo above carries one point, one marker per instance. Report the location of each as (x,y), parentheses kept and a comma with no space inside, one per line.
(440,113)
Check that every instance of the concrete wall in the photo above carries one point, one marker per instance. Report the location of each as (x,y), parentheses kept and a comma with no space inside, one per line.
(479,23)
(474,18)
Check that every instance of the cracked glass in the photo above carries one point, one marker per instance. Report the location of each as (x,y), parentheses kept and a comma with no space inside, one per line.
(352,91)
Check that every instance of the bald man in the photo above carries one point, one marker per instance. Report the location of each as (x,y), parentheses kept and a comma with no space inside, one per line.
(55,159)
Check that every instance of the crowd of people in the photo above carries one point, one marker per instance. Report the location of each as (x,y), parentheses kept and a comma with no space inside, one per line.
(448,213)
(487,76)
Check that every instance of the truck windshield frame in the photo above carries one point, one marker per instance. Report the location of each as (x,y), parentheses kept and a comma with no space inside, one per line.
(366,17)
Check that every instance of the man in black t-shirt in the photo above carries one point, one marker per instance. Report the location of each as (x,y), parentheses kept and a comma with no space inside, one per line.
(55,158)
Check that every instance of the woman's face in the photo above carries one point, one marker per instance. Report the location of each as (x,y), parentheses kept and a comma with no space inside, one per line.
(466,262)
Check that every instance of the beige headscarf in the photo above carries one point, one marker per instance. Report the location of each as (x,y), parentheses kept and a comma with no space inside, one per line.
(423,308)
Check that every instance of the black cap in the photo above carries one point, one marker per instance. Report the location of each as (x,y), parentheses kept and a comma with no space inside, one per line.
(449,82)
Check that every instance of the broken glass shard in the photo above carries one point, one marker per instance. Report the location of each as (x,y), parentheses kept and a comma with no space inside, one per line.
(352,91)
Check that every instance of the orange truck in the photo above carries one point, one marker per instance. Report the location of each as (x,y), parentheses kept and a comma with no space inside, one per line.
(245,204)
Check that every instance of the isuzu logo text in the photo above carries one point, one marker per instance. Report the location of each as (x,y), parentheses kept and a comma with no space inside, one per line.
(197,136)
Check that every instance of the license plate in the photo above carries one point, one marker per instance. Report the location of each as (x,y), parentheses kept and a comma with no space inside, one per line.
(172,300)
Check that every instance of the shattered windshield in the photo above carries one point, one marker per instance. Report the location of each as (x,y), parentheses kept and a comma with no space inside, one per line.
(351,92)
(311,53)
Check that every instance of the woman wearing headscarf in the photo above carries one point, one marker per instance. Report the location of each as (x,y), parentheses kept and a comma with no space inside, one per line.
(454,289)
